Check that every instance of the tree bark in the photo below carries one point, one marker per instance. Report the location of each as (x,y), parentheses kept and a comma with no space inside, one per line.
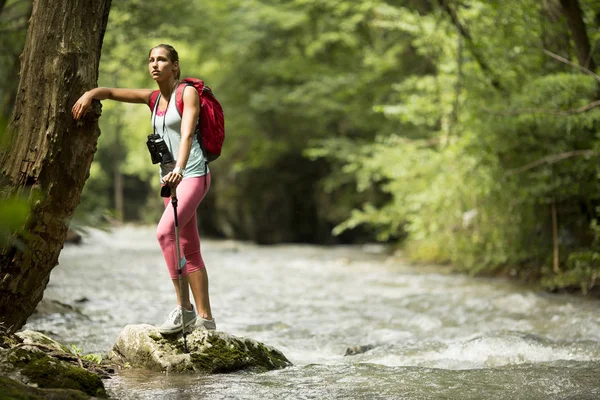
(50,153)
(572,11)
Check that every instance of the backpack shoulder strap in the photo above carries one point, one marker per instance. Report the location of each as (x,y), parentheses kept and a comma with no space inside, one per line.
(197,84)
(152,100)
(179,97)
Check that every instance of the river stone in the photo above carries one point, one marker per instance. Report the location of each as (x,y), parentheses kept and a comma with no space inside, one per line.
(11,389)
(209,351)
(33,338)
(354,350)
(28,364)
(48,306)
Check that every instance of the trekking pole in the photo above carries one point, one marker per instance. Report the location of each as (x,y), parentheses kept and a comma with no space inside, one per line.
(179,267)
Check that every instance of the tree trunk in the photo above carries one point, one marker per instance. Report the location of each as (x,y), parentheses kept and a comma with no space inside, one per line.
(574,15)
(50,153)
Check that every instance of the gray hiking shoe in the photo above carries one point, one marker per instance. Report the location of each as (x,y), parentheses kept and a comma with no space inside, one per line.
(208,324)
(173,322)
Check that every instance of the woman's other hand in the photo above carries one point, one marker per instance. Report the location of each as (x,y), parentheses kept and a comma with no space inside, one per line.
(172,179)
(82,106)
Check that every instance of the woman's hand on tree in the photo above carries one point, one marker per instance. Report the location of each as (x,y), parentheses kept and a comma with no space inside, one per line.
(82,106)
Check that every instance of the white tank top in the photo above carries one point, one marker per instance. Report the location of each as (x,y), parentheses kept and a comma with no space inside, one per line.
(168,125)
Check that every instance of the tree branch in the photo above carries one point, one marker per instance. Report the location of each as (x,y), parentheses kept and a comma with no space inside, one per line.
(557,111)
(572,64)
(552,159)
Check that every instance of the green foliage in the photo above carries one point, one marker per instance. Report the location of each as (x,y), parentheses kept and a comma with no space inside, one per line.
(95,358)
(473,171)
(582,268)
(13,213)
(285,72)
(457,145)
(13,29)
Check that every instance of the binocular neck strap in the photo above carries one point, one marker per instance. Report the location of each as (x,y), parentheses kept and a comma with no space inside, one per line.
(155,111)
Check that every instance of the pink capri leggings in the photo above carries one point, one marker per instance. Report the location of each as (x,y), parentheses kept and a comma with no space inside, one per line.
(190,193)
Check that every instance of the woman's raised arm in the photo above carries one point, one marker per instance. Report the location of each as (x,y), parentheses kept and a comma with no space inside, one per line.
(84,103)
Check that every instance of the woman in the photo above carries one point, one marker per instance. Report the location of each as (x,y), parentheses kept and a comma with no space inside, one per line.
(188,174)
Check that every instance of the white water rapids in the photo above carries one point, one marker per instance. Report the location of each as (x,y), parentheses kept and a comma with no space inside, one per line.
(432,335)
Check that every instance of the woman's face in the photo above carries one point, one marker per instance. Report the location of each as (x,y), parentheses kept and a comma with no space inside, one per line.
(160,66)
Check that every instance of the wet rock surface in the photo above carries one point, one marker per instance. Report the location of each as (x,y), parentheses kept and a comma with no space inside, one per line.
(31,361)
(73,237)
(209,351)
(11,389)
(354,350)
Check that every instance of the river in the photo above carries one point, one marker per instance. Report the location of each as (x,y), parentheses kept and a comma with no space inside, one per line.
(429,334)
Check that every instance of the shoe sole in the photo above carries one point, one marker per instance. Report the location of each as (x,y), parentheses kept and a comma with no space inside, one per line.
(212,328)
(178,329)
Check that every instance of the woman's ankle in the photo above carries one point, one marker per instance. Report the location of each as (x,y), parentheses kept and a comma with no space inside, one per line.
(205,315)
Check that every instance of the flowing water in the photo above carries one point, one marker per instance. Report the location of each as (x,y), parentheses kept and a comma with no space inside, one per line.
(427,334)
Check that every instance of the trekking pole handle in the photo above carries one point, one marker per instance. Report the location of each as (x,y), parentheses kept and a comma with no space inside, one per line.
(174,204)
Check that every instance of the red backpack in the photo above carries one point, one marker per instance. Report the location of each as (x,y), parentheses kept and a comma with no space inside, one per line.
(210,129)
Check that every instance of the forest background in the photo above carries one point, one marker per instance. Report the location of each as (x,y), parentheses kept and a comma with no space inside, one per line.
(464,132)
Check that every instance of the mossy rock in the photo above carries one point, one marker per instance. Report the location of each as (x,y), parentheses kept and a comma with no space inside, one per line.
(8,341)
(30,364)
(226,353)
(13,390)
(209,352)
(43,371)
(34,338)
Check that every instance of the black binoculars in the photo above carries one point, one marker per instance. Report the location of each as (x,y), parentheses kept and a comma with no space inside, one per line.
(159,152)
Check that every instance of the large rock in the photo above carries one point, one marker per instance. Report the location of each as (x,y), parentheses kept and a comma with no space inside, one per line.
(209,351)
(11,389)
(31,340)
(36,360)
